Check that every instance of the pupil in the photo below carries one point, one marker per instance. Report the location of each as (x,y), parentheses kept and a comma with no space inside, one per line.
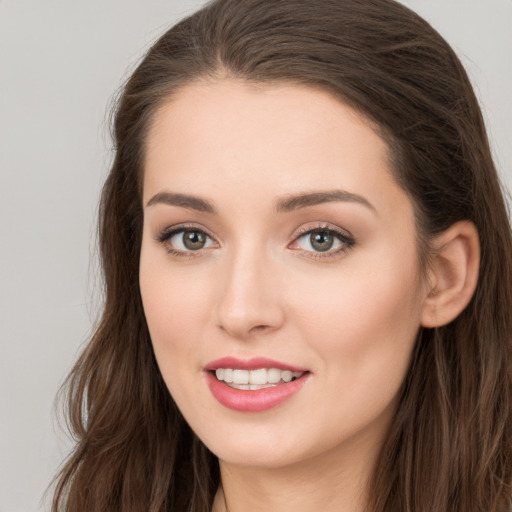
(194,240)
(322,240)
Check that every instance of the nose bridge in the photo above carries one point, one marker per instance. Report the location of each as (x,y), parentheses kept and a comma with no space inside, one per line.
(248,297)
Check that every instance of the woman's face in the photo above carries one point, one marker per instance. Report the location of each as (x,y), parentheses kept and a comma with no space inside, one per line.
(277,245)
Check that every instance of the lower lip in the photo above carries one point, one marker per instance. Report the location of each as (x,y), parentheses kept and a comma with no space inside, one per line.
(245,400)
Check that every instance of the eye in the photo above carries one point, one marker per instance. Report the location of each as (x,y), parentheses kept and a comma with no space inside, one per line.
(183,241)
(323,240)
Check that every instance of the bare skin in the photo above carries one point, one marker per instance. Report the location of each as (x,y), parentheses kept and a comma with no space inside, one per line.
(258,286)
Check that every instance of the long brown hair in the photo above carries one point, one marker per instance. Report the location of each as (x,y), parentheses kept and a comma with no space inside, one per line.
(450,445)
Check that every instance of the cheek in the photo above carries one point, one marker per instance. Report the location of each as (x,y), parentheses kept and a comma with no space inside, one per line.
(174,299)
(364,321)
(363,331)
(175,306)
(373,290)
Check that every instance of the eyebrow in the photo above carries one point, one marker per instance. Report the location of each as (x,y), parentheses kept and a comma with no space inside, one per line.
(183,200)
(306,199)
(287,204)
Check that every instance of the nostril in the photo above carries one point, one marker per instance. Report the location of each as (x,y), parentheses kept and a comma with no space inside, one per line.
(261,327)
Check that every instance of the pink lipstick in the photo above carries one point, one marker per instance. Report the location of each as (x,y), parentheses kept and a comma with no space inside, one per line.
(253,385)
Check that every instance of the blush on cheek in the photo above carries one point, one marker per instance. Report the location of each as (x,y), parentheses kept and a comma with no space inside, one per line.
(172,300)
(365,319)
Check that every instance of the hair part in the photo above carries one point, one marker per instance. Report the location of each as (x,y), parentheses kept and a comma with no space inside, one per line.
(450,444)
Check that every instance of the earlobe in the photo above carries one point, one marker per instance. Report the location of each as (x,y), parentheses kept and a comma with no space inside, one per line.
(453,274)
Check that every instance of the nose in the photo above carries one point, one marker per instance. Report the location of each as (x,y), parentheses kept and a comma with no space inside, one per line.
(249,301)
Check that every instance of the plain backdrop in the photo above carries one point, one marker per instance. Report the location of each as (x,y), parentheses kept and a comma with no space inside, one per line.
(60,64)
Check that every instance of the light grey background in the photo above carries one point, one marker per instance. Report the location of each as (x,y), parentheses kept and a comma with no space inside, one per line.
(60,63)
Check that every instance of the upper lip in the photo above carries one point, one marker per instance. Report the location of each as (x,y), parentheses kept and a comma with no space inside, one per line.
(251,364)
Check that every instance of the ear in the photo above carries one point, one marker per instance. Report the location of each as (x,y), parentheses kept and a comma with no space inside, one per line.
(452,274)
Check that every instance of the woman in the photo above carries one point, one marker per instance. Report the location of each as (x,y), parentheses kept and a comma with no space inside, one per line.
(308,275)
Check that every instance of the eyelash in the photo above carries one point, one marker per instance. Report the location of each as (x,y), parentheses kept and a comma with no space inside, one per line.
(168,233)
(347,241)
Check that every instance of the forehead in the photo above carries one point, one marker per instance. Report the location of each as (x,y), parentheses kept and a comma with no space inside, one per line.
(284,138)
(215,110)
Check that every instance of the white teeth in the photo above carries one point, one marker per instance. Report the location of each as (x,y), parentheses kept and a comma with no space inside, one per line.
(258,376)
(240,376)
(286,375)
(273,375)
(251,387)
(255,379)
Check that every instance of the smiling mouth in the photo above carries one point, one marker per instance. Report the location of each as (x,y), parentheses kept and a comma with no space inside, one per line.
(253,380)
(254,385)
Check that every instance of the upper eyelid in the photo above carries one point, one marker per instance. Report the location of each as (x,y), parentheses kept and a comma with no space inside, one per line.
(172,230)
(342,237)
(303,230)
